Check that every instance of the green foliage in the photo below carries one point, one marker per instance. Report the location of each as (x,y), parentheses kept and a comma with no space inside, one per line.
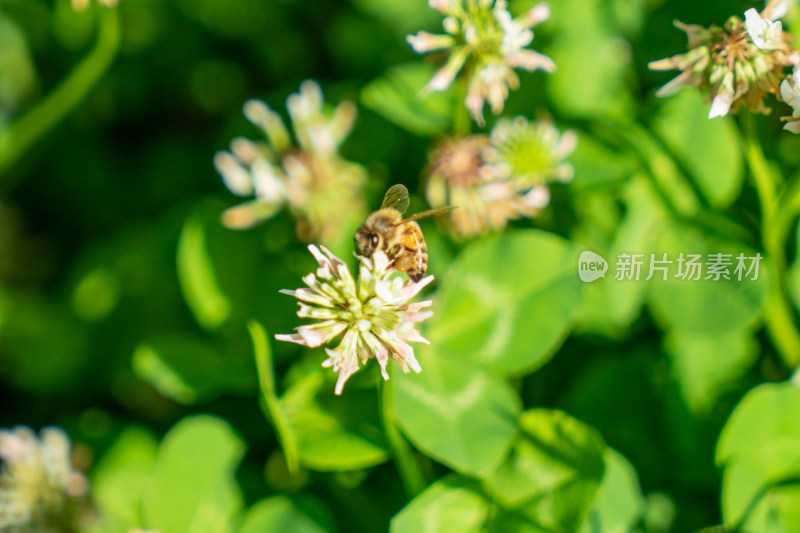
(192,487)
(279,513)
(709,149)
(457,413)
(397,97)
(545,404)
(334,433)
(488,314)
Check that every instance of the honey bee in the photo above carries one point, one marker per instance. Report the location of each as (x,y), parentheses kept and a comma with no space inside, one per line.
(399,238)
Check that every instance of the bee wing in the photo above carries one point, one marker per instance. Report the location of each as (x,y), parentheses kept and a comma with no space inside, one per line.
(430,213)
(396,198)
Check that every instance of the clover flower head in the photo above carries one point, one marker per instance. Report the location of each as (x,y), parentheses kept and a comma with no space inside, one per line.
(373,314)
(38,485)
(484,45)
(531,153)
(738,64)
(499,177)
(308,175)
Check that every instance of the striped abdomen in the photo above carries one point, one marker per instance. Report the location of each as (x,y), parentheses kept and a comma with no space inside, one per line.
(412,255)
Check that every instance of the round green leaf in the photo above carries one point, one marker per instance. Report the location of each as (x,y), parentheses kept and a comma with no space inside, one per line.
(508,301)
(119,479)
(709,149)
(457,413)
(706,366)
(553,452)
(619,504)
(451,505)
(193,488)
(766,414)
(279,513)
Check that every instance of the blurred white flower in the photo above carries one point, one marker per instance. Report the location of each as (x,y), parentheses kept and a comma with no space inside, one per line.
(39,488)
(499,177)
(781,8)
(485,45)
(790,93)
(531,153)
(320,187)
(374,314)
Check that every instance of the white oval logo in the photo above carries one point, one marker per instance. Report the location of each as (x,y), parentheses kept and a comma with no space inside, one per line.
(591,266)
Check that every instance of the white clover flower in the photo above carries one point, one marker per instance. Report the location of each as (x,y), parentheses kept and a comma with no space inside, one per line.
(485,46)
(374,314)
(765,32)
(310,178)
(38,485)
(531,153)
(790,93)
(497,178)
(738,64)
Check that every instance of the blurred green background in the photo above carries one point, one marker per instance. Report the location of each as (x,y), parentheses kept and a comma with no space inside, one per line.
(124,303)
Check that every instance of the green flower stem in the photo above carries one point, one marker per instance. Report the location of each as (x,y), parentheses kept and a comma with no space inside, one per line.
(271,403)
(462,121)
(407,466)
(775,228)
(759,167)
(28,129)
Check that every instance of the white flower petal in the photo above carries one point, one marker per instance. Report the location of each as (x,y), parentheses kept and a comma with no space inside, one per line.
(720,106)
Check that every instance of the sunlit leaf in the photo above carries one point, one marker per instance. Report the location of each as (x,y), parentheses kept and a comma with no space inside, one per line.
(279,513)
(619,504)
(119,479)
(507,302)
(593,72)
(451,505)
(553,472)
(706,365)
(760,448)
(198,279)
(334,432)
(459,414)
(193,488)
(709,149)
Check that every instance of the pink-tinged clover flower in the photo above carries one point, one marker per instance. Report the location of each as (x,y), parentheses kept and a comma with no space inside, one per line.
(499,177)
(484,44)
(373,315)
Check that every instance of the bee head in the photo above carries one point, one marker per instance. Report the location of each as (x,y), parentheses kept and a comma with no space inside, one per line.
(366,241)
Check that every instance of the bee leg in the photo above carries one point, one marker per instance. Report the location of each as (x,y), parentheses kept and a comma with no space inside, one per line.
(409,265)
